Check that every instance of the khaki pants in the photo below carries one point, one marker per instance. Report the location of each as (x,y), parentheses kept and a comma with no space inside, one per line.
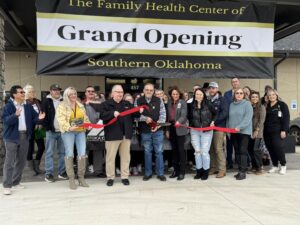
(112,148)
(217,155)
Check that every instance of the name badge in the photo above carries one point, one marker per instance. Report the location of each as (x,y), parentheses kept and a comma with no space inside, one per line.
(279,114)
(179,106)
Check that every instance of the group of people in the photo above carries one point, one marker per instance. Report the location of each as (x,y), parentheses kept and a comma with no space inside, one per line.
(253,122)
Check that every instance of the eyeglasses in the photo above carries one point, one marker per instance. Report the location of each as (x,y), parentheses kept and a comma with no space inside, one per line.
(21,92)
(239,93)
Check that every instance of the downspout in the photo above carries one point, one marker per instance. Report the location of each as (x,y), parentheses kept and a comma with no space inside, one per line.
(286,55)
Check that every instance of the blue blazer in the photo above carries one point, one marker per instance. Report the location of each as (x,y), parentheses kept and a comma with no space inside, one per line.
(11,121)
(228,97)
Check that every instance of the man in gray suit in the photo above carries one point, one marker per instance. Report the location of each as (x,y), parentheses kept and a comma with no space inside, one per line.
(177,114)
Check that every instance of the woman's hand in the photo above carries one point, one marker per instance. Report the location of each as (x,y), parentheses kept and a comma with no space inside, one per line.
(212,123)
(42,115)
(283,134)
(255,134)
(167,134)
(72,128)
(237,129)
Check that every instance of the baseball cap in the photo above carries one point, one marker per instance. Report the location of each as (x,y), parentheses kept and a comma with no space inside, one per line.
(213,84)
(55,87)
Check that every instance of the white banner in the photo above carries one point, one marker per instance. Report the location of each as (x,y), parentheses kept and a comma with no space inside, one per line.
(213,38)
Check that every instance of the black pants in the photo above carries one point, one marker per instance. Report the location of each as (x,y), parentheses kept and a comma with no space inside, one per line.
(178,152)
(41,148)
(229,151)
(255,153)
(240,144)
(136,158)
(275,146)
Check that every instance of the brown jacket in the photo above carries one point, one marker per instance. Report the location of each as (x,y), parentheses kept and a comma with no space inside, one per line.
(258,121)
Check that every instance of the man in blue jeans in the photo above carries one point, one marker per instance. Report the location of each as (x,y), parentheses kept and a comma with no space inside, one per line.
(152,135)
(53,135)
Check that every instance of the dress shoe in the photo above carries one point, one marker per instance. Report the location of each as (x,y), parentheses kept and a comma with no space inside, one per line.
(241,176)
(110,182)
(162,178)
(180,177)
(174,175)
(125,182)
(221,174)
(145,178)
(199,173)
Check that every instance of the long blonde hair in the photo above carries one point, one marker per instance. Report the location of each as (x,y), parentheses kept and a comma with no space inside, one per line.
(27,89)
(66,94)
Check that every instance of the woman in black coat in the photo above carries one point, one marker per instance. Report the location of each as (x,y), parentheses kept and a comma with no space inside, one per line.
(276,128)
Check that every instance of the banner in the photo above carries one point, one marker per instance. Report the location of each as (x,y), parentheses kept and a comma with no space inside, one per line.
(157,38)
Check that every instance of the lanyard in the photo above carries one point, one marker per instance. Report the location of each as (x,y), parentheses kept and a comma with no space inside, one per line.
(74,111)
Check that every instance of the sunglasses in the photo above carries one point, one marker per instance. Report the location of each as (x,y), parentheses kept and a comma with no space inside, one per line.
(21,92)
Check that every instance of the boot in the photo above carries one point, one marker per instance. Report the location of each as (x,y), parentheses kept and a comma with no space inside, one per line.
(81,171)
(36,167)
(199,173)
(204,175)
(221,174)
(70,172)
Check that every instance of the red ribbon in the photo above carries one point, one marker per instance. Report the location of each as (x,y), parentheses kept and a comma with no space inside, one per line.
(222,129)
(124,113)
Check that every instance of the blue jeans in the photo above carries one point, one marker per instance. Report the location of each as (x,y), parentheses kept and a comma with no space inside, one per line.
(69,138)
(51,139)
(153,141)
(201,142)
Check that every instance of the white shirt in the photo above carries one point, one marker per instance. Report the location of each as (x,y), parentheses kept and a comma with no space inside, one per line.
(22,121)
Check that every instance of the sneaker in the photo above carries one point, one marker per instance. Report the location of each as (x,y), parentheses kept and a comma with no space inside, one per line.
(91,168)
(63,176)
(274,169)
(193,167)
(7,191)
(171,169)
(135,171)
(282,170)
(118,172)
(49,178)
(139,168)
(18,187)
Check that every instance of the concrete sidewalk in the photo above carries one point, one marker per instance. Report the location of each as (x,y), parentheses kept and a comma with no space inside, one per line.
(267,199)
